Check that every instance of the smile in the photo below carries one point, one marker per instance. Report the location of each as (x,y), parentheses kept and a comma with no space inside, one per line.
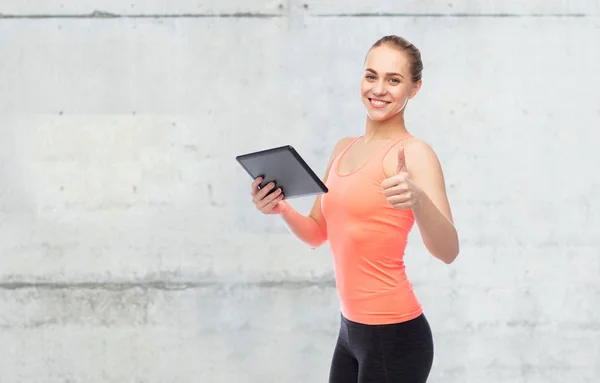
(378,103)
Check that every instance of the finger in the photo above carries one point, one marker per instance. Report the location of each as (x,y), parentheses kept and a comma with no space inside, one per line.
(271,205)
(399,198)
(268,199)
(395,190)
(262,193)
(403,206)
(268,208)
(394,181)
(254,186)
(401,161)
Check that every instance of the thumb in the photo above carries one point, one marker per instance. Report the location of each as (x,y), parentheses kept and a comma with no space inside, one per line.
(401,161)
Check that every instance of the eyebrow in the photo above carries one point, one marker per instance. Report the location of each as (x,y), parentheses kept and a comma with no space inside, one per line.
(389,74)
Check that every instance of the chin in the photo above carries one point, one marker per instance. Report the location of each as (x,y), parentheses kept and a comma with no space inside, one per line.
(377,118)
(378,115)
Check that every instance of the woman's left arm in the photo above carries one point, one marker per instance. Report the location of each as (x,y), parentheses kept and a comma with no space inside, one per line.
(431,207)
(415,181)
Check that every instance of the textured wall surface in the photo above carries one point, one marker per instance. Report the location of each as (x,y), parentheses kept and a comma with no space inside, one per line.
(130,251)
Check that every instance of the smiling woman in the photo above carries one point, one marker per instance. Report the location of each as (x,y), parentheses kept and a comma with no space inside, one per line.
(390,78)
(379,184)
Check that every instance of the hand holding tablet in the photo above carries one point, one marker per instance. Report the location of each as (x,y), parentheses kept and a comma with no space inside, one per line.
(269,199)
(283,166)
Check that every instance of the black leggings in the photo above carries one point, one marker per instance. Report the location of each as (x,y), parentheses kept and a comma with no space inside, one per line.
(390,353)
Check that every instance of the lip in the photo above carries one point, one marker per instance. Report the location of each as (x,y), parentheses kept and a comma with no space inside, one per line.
(378,105)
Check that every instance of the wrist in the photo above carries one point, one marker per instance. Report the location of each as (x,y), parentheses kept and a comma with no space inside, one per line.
(284,207)
(420,198)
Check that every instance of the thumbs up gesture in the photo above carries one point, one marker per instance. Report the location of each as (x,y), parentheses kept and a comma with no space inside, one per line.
(401,192)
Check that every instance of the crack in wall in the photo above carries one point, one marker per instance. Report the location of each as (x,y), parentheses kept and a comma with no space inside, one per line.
(166,285)
(452,15)
(110,15)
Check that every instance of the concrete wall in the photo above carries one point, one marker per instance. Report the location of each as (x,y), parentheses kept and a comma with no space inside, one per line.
(130,251)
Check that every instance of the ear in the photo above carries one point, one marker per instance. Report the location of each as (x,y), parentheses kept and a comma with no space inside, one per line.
(415,89)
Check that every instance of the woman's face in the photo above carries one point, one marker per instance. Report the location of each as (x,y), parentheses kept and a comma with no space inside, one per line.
(386,85)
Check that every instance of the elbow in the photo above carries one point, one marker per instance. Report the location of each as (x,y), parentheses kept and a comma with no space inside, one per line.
(315,245)
(318,242)
(449,260)
(447,255)
(319,238)
(450,256)
(451,251)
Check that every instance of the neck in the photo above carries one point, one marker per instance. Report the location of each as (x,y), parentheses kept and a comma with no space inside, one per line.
(383,130)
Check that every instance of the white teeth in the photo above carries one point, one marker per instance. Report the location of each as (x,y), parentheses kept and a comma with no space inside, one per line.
(378,103)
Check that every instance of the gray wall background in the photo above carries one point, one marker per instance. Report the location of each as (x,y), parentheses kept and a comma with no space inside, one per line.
(130,251)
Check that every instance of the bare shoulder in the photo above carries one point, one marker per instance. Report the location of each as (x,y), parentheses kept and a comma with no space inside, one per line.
(341,145)
(420,157)
(420,153)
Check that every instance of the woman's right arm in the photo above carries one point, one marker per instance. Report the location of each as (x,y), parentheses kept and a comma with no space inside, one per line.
(311,229)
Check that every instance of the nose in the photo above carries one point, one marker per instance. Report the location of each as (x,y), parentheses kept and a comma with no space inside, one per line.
(379,89)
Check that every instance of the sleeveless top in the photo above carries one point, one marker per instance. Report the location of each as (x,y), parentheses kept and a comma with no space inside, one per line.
(367,238)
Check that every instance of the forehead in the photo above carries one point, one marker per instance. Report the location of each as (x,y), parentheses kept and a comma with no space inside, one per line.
(387,59)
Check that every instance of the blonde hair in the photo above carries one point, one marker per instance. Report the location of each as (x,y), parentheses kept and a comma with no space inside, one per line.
(413,53)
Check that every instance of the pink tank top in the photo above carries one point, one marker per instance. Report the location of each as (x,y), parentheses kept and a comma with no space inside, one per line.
(367,238)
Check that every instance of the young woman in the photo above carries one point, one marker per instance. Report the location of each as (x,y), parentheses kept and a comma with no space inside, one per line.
(380,184)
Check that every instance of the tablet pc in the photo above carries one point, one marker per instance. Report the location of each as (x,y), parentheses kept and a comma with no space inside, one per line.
(286,168)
